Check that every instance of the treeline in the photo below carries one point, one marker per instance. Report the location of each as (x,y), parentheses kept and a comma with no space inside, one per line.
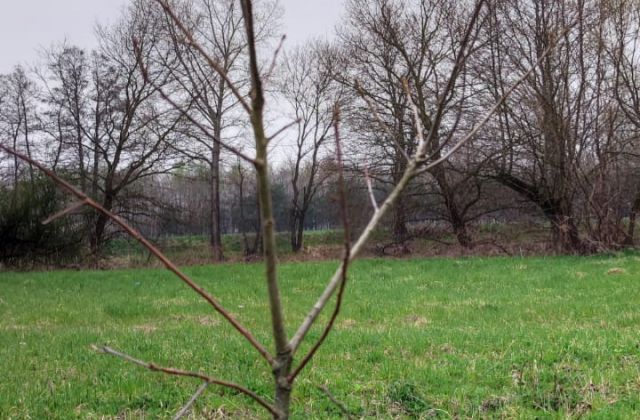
(143,124)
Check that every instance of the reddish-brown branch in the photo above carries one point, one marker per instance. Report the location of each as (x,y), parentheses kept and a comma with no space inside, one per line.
(178,372)
(152,249)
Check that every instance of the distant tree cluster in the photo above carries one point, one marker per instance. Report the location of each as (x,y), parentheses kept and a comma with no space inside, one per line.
(158,144)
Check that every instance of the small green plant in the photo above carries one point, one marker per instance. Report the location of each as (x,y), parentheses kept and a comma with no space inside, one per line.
(407,396)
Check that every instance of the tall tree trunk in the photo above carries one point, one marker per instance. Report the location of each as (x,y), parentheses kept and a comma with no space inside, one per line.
(97,236)
(216,226)
(400,231)
(454,215)
(300,232)
(462,233)
(296,230)
(565,234)
(96,239)
(215,237)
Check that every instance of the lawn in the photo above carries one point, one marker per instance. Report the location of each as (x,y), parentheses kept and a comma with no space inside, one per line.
(477,337)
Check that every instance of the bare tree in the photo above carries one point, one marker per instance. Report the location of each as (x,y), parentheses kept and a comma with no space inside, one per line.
(17,115)
(388,43)
(546,131)
(308,90)
(626,57)
(133,132)
(215,27)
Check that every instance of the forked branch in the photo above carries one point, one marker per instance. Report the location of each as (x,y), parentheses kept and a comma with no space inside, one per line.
(184,373)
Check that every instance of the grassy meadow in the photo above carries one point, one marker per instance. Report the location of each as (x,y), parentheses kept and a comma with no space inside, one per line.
(546,337)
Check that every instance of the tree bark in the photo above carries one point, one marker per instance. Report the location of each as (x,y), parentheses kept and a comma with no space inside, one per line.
(565,234)
(216,228)
(215,237)
(400,231)
(296,230)
(454,215)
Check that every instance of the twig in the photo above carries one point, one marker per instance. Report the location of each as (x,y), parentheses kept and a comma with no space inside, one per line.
(275,57)
(347,252)
(372,196)
(185,409)
(283,129)
(178,372)
(416,114)
(71,209)
(337,402)
(148,245)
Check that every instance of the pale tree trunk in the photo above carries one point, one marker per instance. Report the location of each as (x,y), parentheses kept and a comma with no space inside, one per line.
(216,228)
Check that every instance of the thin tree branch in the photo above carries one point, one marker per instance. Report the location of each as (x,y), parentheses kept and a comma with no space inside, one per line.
(283,129)
(71,209)
(275,57)
(152,249)
(337,402)
(187,407)
(184,373)
(416,113)
(372,196)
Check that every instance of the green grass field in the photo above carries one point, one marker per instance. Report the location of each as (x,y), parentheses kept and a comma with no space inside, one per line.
(515,338)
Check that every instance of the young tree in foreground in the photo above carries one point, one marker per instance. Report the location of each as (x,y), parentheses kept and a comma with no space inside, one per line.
(281,360)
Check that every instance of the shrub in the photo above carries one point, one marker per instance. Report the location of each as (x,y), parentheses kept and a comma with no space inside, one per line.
(24,239)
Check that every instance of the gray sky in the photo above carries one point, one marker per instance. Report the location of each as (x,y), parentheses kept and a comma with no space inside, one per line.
(29,25)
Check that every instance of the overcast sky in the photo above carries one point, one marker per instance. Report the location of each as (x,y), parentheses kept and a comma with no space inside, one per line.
(29,25)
